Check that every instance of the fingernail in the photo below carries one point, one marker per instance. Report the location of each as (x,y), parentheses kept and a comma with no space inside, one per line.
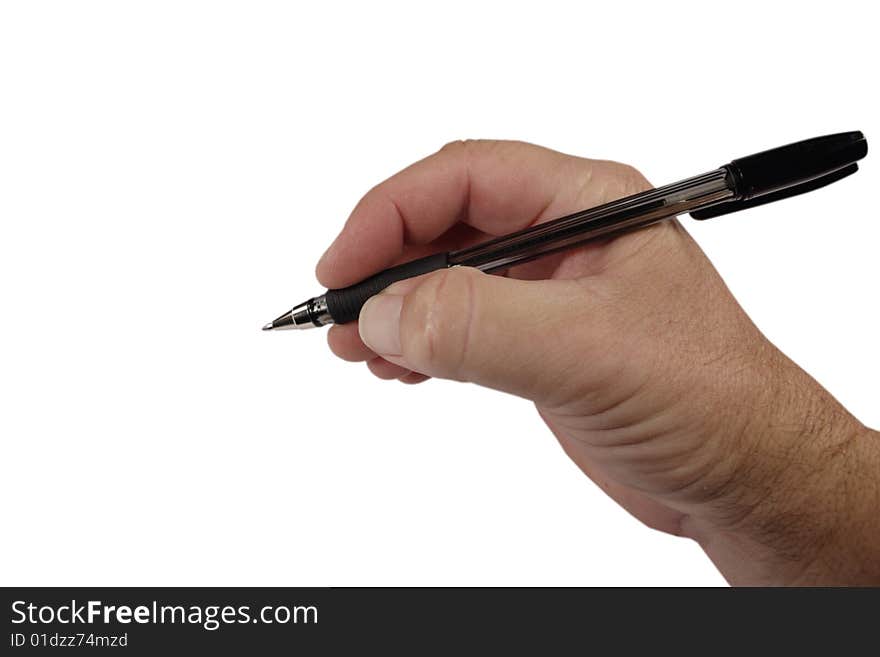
(379,324)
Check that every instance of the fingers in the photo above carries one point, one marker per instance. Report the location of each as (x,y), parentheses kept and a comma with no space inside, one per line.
(345,342)
(461,324)
(385,370)
(495,186)
(413,377)
(458,196)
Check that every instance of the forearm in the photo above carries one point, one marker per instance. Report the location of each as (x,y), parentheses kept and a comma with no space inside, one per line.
(850,553)
(803,506)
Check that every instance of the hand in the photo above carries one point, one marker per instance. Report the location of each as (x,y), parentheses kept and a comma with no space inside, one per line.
(635,353)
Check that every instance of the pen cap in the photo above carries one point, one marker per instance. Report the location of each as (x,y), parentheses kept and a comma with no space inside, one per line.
(790,170)
(796,163)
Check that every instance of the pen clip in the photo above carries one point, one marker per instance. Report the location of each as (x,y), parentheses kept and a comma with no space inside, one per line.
(789,171)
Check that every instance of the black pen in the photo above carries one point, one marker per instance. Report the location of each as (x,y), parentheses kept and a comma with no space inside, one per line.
(744,183)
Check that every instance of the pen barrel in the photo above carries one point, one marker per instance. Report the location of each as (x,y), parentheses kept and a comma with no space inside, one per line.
(622,215)
(344,304)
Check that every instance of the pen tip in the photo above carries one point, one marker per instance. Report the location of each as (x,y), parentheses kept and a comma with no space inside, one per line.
(268,327)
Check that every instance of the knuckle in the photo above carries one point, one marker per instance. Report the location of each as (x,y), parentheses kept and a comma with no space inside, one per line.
(457,148)
(467,148)
(631,179)
(613,180)
(455,144)
(436,320)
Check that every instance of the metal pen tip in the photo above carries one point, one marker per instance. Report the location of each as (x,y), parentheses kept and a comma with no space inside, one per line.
(302,316)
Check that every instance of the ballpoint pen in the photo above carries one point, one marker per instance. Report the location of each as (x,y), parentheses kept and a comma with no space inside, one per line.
(743,183)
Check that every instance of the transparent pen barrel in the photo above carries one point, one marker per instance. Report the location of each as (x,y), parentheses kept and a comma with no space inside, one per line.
(615,217)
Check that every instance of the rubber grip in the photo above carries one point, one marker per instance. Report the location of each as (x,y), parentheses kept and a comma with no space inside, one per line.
(344,305)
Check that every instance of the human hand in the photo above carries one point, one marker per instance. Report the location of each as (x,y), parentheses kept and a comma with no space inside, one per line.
(637,356)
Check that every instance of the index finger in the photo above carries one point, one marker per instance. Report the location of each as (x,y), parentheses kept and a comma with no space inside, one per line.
(495,186)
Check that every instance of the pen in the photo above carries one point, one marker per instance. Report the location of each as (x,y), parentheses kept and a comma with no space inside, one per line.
(743,183)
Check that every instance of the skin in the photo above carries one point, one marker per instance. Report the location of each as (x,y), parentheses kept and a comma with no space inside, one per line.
(635,353)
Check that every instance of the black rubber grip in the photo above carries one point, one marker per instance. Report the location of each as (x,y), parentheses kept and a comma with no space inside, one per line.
(344,305)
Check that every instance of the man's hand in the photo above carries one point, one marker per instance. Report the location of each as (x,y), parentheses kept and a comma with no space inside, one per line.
(637,356)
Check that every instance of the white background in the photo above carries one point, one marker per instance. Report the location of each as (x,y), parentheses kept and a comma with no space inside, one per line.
(170,172)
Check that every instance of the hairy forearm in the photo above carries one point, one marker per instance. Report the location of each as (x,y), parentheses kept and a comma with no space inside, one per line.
(848,549)
(803,506)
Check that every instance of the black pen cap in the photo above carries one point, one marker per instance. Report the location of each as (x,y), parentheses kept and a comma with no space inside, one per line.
(790,170)
(796,163)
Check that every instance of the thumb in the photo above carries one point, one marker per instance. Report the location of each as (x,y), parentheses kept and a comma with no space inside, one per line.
(462,324)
